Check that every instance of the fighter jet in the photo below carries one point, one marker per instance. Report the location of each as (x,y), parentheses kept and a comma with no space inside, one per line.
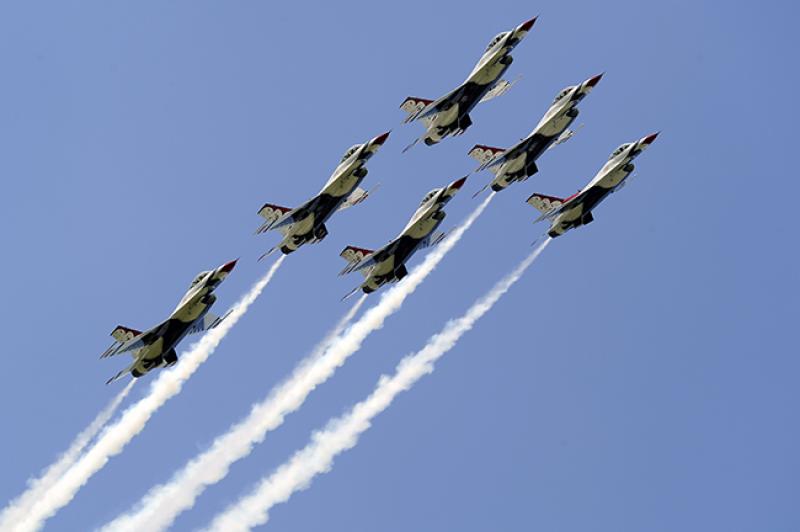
(566,214)
(388,264)
(518,163)
(449,115)
(155,347)
(306,224)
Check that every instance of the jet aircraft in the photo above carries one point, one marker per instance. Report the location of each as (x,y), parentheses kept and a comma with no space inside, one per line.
(518,163)
(306,223)
(155,347)
(449,115)
(576,210)
(388,264)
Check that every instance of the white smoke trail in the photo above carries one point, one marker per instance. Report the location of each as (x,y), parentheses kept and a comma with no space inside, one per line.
(20,506)
(342,433)
(164,503)
(114,438)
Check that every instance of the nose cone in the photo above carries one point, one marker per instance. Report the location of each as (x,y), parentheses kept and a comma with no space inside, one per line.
(380,139)
(650,138)
(526,26)
(458,183)
(228,266)
(591,82)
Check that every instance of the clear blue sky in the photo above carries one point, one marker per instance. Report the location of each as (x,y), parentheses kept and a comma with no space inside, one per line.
(642,376)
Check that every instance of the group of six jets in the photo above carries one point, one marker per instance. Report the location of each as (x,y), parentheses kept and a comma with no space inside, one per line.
(446,116)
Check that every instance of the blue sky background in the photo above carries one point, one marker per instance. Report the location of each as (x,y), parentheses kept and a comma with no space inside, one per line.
(642,376)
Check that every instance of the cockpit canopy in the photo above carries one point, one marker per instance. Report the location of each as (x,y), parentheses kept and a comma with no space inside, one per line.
(563,93)
(350,152)
(619,150)
(200,277)
(496,40)
(428,196)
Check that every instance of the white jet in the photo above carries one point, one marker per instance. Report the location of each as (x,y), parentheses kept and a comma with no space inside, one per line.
(155,348)
(518,163)
(449,115)
(306,224)
(575,211)
(388,264)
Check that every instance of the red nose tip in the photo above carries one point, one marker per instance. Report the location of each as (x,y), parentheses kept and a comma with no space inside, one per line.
(380,139)
(591,82)
(228,267)
(650,138)
(459,183)
(526,26)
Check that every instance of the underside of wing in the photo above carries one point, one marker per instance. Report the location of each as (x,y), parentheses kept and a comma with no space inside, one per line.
(547,205)
(275,216)
(125,339)
(486,155)
(358,259)
(414,106)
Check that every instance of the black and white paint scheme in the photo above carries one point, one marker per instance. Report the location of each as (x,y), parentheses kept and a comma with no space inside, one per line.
(449,115)
(306,224)
(388,264)
(155,347)
(518,163)
(575,211)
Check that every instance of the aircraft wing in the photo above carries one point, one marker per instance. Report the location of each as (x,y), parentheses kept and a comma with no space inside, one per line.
(488,156)
(209,321)
(549,206)
(358,259)
(125,339)
(430,108)
(414,106)
(276,217)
